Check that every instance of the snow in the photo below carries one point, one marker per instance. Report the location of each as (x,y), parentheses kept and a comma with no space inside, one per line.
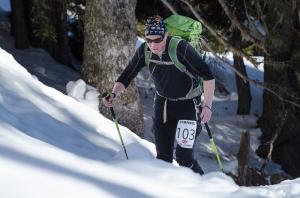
(57,145)
(228,78)
(54,146)
(139,42)
(83,93)
(5,5)
(258,75)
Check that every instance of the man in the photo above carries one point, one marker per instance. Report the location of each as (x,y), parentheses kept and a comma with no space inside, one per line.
(175,111)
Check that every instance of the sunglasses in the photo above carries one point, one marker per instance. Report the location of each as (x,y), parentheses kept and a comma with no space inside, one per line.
(157,40)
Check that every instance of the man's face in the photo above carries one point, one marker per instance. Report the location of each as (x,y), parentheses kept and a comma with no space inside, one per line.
(156,43)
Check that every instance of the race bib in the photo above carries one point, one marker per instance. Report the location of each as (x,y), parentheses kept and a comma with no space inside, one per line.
(186,133)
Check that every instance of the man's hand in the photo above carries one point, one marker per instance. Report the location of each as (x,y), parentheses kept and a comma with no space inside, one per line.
(108,99)
(209,88)
(205,114)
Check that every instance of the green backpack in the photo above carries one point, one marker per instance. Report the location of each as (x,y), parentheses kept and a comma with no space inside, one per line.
(181,27)
(185,28)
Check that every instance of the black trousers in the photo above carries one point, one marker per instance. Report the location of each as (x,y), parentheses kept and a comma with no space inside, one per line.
(165,132)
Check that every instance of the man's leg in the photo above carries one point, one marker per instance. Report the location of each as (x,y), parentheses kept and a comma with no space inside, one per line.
(164,137)
(184,156)
(163,141)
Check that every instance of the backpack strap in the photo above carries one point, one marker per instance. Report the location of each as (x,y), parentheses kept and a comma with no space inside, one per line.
(196,89)
(172,49)
(148,55)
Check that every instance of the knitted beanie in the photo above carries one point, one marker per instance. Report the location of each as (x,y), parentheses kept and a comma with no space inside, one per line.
(155,26)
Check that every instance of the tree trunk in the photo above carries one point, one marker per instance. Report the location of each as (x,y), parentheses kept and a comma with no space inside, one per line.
(243,158)
(58,17)
(18,24)
(48,27)
(31,16)
(110,37)
(243,88)
(283,46)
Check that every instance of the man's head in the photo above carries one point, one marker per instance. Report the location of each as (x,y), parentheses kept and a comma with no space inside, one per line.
(155,34)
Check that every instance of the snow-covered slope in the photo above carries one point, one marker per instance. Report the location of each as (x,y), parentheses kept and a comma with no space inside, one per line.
(53,146)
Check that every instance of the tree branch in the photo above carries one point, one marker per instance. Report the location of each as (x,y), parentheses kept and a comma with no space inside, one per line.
(169,6)
(299,13)
(255,82)
(273,139)
(279,21)
(260,13)
(246,10)
(244,78)
(249,20)
(285,90)
(236,22)
(241,28)
(219,38)
(234,50)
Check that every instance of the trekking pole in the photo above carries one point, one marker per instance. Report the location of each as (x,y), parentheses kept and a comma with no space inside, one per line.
(214,147)
(106,95)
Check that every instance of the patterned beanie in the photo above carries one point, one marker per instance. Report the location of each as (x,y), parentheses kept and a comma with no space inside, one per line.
(155,26)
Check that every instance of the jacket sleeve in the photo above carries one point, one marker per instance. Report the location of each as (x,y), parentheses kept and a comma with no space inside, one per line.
(194,63)
(134,66)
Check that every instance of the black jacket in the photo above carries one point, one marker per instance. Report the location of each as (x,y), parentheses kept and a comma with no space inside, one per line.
(169,81)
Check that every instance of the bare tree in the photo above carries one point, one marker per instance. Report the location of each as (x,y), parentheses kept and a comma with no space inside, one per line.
(110,37)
